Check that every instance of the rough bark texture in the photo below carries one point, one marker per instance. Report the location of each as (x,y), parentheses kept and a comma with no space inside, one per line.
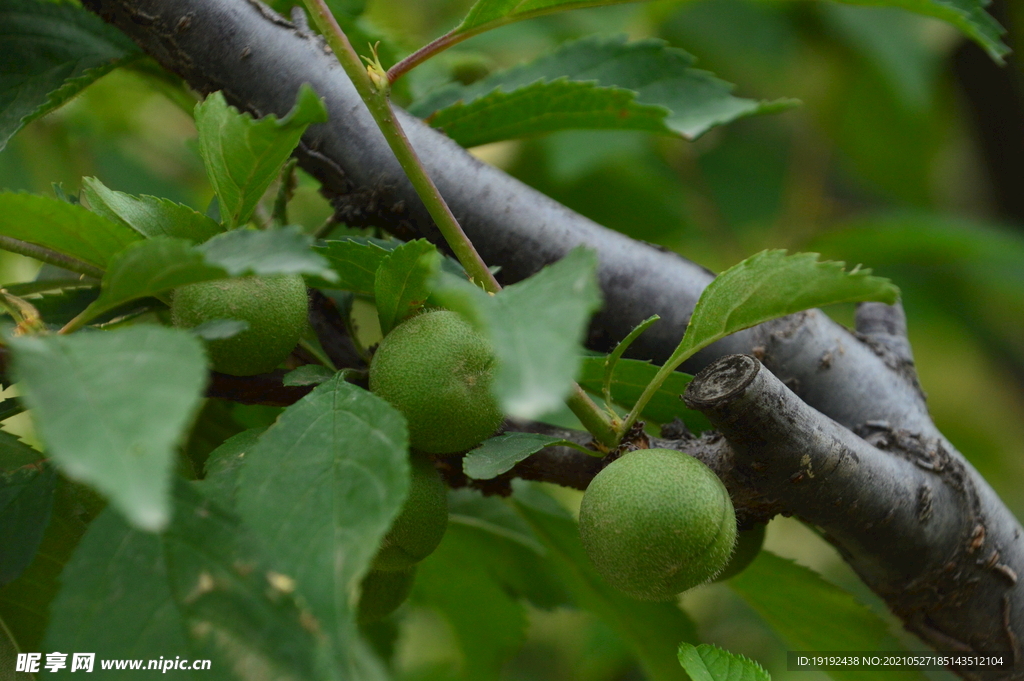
(918,522)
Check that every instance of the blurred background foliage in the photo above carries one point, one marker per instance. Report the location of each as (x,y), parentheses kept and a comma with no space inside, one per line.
(907,156)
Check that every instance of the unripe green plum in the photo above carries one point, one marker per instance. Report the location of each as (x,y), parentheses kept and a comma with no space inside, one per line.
(275,308)
(383,592)
(657,522)
(436,369)
(421,525)
(748,545)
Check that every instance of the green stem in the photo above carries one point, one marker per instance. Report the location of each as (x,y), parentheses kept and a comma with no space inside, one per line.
(434,47)
(50,257)
(652,387)
(377,101)
(375,96)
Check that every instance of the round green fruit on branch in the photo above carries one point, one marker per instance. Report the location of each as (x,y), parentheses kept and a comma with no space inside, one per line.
(436,369)
(275,307)
(748,545)
(383,592)
(421,525)
(657,522)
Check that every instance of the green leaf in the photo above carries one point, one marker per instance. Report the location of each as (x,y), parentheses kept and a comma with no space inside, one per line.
(969,16)
(499,454)
(630,378)
(772,284)
(595,82)
(243,155)
(488,14)
(308,374)
(26,497)
(488,622)
(355,262)
(161,264)
(111,406)
(809,613)
(25,602)
(51,52)
(653,630)
(14,453)
(320,488)
(199,590)
(224,465)
(535,327)
(63,227)
(286,250)
(9,652)
(402,282)
(709,663)
(148,215)
(217,329)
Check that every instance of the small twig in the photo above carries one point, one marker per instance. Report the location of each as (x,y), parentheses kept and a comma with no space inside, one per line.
(285,193)
(50,257)
(433,48)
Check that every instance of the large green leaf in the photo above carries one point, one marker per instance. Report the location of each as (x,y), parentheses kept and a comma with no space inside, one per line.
(148,215)
(161,264)
(653,630)
(535,327)
(595,82)
(25,602)
(402,282)
(200,590)
(320,488)
(50,52)
(355,262)
(111,407)
(629,379)
(26,497)
(811,614)
(63,227)
(772,284)
(708,663)
(243,155)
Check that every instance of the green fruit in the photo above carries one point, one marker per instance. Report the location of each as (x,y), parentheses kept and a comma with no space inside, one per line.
(436,370)
(418,529)
(748,545)
(383,592)
(274,306)
(657,522)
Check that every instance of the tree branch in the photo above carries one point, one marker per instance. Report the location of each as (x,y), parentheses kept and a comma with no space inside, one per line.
(864,380)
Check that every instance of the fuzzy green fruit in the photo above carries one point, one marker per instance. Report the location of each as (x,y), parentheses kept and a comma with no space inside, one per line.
(274,306)
(436,370)
(748,545)
(383,592)
(420,526)
(657,522)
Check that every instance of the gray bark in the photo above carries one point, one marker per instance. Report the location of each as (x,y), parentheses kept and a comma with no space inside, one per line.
(959,588)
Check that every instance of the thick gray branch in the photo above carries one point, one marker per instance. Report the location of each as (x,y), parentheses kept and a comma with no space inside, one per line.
(865,380)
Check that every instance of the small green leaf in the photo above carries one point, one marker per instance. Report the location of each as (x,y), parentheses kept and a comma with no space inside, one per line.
(596,82)
(111,406)
(217,329)
(499,454)
(653,630)
(535,327)
(14,453)
(320,488)
(26,497)
(629,379)
(200,590)
(811,614)
(63,227)
(243,156)
(285,250)
(402,282)
(772,284)
(709,663)
(355,262)
(51,52)
(148,215)
(308,374)
(488,14)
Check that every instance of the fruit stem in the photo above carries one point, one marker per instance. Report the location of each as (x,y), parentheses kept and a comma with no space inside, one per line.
(373,86)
